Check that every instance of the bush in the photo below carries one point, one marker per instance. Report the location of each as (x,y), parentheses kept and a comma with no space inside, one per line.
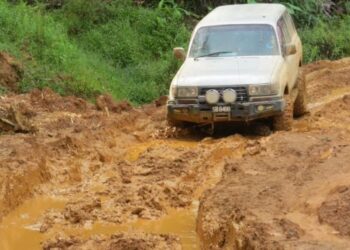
(329,40)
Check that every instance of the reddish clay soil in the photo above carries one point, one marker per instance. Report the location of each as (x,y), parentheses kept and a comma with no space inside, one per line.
(119,241)
(10,72)
(114,164)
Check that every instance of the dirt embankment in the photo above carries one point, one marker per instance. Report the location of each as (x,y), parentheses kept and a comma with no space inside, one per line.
(10,72)
(112,166)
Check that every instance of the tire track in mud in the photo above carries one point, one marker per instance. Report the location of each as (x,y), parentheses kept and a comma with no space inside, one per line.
(112,177)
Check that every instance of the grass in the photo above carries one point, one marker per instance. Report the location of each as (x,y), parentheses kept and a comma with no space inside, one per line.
(49,57)
(127,53)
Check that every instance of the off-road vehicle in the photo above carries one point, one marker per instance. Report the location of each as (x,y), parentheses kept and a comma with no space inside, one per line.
(243,64)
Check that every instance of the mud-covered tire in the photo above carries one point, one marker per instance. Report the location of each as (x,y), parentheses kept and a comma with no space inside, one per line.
(300,104)
(285,120)
(261,129)
(174,123)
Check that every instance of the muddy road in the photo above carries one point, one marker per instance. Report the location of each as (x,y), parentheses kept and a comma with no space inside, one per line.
(74,175)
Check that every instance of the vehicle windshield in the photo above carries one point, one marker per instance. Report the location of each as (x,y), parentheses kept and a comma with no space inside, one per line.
(235,40)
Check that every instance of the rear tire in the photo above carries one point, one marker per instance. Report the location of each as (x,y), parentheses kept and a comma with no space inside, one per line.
(285,120)
(300,104)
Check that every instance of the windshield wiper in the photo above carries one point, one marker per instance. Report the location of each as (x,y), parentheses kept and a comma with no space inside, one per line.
(214,54)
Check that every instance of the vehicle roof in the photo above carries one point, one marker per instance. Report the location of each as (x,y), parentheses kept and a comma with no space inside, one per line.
(243,14)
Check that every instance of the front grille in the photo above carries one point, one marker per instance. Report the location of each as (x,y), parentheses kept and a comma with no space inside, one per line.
(242,93)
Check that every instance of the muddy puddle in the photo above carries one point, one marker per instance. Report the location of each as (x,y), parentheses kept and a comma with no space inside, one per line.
(18,230)
(133,153)
(21,230)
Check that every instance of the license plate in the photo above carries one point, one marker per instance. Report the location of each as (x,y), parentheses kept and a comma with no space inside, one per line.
(221,109)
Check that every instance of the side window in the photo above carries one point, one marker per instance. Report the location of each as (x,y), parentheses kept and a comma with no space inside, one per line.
(285,32)
(289,23)
(280,33)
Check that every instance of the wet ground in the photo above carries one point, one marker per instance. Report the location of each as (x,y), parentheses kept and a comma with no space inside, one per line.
(21,230)
(78,176)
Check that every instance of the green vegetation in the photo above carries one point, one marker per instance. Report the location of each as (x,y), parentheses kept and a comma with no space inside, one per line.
(327,40)
(88,47)
(323,24)
(305,12)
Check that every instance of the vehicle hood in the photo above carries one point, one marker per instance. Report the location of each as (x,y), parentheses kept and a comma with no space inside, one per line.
(227,71)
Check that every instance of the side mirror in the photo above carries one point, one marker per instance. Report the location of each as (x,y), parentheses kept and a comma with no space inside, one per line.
(290,49)
(179,53)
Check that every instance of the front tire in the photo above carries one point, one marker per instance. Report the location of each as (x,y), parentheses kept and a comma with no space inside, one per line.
(174,123)
(285,120)
(300,104)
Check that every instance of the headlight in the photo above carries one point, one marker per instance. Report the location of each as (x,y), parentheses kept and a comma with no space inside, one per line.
(186,92)
(212,96)
(229,95)
(266,89)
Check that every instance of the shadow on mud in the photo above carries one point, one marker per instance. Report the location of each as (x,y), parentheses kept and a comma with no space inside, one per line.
(220,130)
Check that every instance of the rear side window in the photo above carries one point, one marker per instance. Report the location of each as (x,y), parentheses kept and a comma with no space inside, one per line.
(283,32)
(289,23)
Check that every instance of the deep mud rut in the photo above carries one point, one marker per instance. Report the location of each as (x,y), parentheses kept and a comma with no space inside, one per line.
(78,176)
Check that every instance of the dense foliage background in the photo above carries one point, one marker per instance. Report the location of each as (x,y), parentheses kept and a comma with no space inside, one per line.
(124,47)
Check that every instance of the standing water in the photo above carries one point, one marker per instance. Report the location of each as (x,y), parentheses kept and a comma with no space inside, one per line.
(18,230)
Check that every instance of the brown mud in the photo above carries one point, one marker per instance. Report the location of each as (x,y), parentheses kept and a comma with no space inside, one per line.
(10,72)
(108,176)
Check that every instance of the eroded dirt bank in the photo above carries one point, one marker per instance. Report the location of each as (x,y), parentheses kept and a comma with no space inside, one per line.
(79,176)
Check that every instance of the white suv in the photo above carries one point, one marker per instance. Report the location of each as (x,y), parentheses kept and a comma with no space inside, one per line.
(243,64)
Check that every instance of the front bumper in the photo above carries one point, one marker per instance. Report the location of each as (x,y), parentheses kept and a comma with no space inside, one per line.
(247,111)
